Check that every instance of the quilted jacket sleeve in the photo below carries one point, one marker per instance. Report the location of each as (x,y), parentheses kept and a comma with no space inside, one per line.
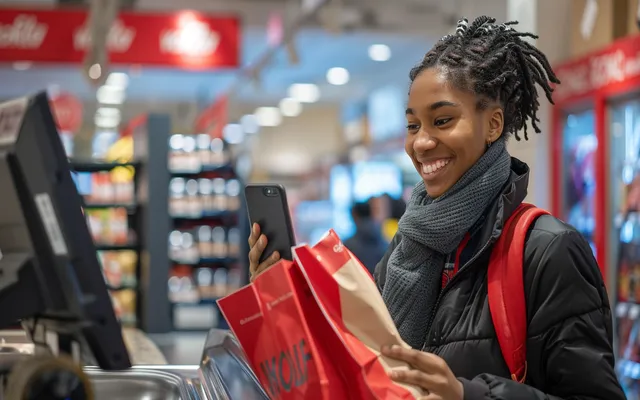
(569,350)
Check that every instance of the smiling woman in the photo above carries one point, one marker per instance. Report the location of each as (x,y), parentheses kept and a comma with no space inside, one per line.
(471,92)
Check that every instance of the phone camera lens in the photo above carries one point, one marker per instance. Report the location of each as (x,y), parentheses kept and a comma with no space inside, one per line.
(270,191)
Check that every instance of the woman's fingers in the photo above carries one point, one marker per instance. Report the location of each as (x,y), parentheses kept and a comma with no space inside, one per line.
(417,359)
(256,252)
(255,234)
(274,258)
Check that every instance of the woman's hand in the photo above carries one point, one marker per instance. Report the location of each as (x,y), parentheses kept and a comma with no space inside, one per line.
(430,373)
(257,244)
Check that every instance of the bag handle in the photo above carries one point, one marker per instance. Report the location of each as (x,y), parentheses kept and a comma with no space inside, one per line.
(505,278)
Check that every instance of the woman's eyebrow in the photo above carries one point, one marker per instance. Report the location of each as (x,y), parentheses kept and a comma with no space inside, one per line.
(434,106)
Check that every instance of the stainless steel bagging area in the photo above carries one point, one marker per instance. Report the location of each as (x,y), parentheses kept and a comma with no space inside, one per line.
(221,374)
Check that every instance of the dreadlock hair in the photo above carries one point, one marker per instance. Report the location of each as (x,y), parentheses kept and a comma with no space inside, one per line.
(497,64)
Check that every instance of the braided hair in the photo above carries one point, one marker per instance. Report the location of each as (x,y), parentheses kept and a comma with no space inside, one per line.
(497,64)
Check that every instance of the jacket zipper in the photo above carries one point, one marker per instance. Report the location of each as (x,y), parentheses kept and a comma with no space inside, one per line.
(444,290)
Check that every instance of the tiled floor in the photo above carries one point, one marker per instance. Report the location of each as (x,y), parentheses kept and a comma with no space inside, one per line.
(181,348)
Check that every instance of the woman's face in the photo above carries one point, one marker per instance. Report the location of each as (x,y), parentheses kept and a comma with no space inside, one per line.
(446,132)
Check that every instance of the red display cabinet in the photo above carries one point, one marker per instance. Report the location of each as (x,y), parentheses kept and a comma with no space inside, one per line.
(595,177)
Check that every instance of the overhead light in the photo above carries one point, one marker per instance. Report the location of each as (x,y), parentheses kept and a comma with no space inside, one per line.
(22,65)
(249,124)
(268,116)
(110,95)
(118,79)
(337,76)
(233,133)
(379,52)
(290,107)
(304,92)
(95,72)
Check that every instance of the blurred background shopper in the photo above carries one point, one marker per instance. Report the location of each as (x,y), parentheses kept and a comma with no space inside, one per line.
(367,243)
(474,90)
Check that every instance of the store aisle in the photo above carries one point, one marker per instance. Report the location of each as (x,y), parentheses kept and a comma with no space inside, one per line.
(181,348)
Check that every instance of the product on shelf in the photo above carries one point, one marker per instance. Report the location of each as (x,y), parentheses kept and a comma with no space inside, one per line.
(204,280)
(205,245)
(205,188)
(233,194)
(182,288)
(124,304)
(203,144)
(119,267)
(218,153)
(195,198)
(194,204)
(220,283)
(234,279)
(204,242)
(105,187)
(195,152)
(219,186)
(215,283)
(109,225)
(234,238)
(219,239)
(177,202)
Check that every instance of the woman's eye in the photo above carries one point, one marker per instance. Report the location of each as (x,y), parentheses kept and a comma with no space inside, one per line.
(413,127)
(441,121)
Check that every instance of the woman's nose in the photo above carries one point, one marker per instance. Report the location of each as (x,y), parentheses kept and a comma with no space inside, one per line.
(423,142)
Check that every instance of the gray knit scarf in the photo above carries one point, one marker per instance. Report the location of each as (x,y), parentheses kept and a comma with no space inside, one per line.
(430,230)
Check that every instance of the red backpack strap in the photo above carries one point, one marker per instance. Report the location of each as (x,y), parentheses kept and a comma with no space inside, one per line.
(505,279)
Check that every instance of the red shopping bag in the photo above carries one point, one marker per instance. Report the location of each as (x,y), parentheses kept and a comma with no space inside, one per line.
(268,317)
(350,301)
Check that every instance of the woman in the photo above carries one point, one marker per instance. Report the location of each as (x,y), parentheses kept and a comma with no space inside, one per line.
(469,94)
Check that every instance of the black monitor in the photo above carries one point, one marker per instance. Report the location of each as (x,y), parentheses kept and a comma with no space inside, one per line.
(49,271)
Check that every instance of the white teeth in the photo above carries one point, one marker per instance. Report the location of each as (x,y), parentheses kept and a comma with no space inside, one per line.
(434,166)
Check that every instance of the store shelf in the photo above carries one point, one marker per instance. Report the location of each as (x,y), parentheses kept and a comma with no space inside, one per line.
(132,207)
(121,287)
(97,166)
(201,302)
(205,168)
(117,247)
(204,216)
(208,260)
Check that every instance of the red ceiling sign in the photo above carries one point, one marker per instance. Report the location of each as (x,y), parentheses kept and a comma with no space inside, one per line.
(184,39)
(608,72)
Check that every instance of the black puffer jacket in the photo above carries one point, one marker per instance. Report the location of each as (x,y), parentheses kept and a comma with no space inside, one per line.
(569,346)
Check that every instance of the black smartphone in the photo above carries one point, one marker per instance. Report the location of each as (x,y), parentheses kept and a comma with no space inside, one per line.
(267,207)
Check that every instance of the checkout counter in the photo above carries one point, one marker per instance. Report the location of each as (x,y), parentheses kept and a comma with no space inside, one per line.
(222,373)
(52,284)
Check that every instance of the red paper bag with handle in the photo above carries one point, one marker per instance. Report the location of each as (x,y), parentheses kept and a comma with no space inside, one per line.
(350,300)
(268,319)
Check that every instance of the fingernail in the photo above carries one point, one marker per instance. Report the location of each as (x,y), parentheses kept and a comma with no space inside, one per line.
(276,255)
(255,228)
(262,240)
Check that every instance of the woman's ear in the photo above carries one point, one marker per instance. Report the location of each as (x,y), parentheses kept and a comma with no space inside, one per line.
(496,124)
